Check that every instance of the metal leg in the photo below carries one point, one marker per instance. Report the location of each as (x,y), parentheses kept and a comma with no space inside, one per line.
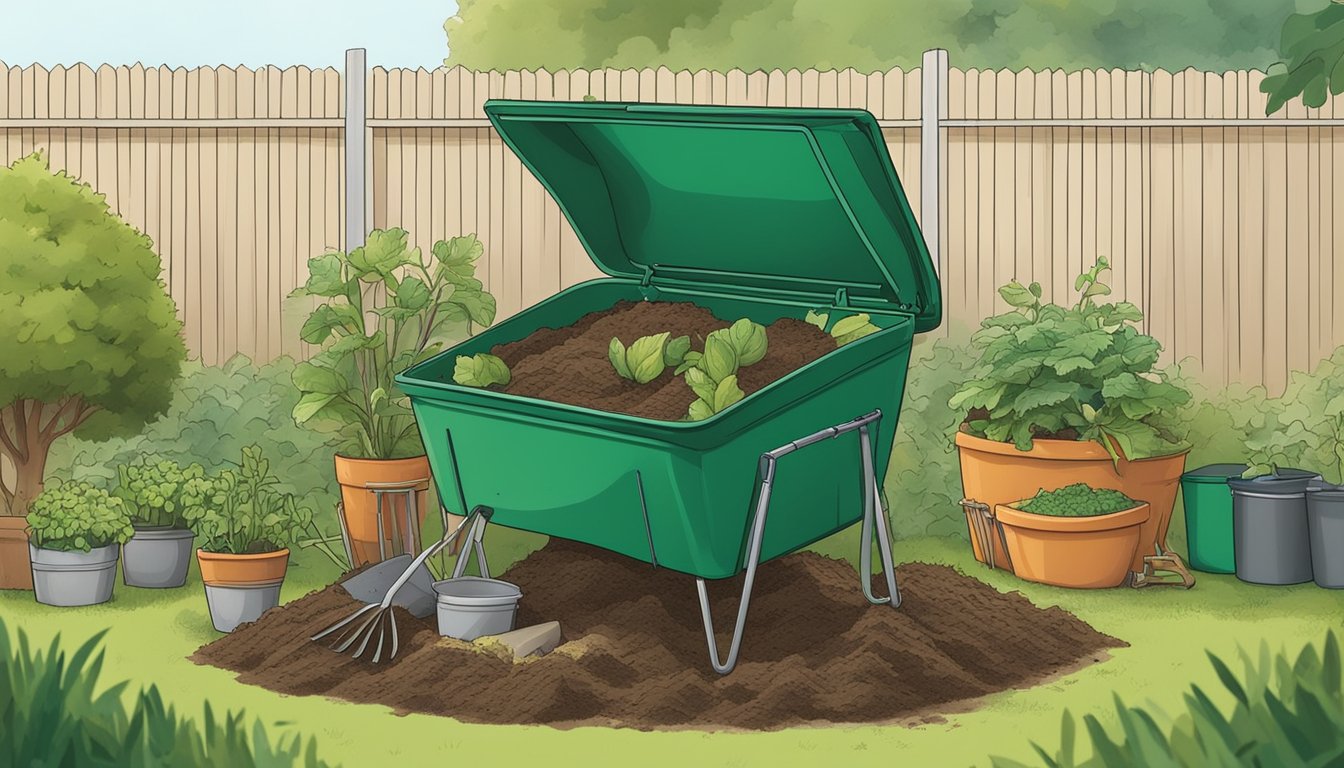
(345,535)
(412,523)
(378,510)
(476,533)
(872,511)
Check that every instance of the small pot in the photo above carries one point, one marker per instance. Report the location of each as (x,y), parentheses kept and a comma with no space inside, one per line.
(157,557)
(470,607)
(240,588)
(1269,527)
(1080,552)
(74,578)
(16,571)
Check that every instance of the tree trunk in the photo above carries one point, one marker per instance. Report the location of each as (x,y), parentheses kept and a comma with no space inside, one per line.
(29,482)
(30,469)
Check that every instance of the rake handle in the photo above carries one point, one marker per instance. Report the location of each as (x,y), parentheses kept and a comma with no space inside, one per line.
(481,511)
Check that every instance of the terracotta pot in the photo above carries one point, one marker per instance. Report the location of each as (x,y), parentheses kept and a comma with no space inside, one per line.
(1080,552)
(997,473)
(16,571)
(361,507)
(225,570)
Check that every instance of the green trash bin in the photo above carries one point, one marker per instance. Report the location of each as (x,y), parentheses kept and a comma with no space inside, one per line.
(1208,517)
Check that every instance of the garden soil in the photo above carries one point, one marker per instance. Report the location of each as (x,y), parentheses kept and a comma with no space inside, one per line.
(570,365)
(634,653)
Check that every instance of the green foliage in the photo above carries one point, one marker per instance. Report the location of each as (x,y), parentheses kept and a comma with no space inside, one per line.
(89,336)
(712,374)
(77,517)
(1077,500)
(215,412)
(243,511)
(1302,428)
(648,357)
(480,370)
(153,489)
(1285,712)
(846,329)
(865,34)
(350,383)
(55,711)
(1086,369)
(1311,59)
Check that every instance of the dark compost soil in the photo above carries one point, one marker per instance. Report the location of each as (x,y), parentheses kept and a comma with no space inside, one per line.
(634,651)
(570,365)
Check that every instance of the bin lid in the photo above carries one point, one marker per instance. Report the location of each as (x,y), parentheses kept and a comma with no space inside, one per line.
(1214,473)
(788,201)
(1284,481)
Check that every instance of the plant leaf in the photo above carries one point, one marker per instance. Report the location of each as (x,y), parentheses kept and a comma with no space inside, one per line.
(645,357)
(616,354)
(480,370)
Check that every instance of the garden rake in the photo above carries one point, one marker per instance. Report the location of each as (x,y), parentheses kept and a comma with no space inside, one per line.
(376,620)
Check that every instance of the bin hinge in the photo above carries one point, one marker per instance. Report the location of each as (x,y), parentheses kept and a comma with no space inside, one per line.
(841,298)
(647,277)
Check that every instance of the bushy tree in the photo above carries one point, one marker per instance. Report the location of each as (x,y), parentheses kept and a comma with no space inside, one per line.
(1311,58)
(89,338)
(865,34)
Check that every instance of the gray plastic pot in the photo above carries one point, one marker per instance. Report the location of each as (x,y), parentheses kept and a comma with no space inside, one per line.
(73,578)
(157,557)
(1325,522)
(1269,527)
(231,606)
(470,607)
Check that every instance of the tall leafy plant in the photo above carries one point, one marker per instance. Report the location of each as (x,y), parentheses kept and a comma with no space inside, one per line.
(367,342)
(1082,371)
(242,510)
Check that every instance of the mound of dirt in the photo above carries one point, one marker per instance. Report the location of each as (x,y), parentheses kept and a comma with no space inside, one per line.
(570,365)
(635,655)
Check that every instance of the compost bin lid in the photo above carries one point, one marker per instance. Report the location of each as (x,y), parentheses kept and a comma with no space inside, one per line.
(801,202)
(1284,481)
(1214,473)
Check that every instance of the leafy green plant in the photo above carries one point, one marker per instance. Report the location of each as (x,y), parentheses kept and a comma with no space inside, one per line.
(1284,712)
(55,710)
(711,396)
(1076,500)
(846,329)
(153,491)
(712,374)
(242,510)
(1083,371)
(1302,428)
(480,370)
(90,338)
(1311,53)
(77,517)
(366,343)
(648,357)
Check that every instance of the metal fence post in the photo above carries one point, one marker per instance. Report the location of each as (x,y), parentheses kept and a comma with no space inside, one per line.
(933,111)
(356,188)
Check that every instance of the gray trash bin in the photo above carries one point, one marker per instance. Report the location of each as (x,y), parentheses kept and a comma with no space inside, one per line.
(1325,522)
(1269,527)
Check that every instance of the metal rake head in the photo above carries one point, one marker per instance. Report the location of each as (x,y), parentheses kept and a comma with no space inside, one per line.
(359,631)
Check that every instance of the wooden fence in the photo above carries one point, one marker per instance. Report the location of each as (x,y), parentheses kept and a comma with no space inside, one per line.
(1220,223)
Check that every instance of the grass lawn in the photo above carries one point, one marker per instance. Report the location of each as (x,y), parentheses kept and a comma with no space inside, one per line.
(150,634)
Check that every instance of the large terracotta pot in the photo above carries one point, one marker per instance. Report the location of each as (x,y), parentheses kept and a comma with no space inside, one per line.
(356,477)
(16,571)
(1079,552)
(998,473)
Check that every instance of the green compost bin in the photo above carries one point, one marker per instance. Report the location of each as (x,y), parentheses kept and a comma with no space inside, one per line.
(1208,517)
(762,213)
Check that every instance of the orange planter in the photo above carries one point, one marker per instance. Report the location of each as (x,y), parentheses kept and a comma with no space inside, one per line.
(356,477)
(1079,552)
(997,473)
(15,570)
(224,570)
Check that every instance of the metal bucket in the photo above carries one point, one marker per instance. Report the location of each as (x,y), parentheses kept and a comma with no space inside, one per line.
(470,607)
(1325,521)
(74,578)
(1270,535)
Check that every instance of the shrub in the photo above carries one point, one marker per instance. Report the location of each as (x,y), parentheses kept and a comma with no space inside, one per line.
(89,337)
(350,383)
(1077,500)
(77,517)
(53,713)
(153,489)
(1083,371)
(1284,712)
(243,512)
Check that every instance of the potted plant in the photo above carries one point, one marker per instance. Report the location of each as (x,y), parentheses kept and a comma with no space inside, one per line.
(158,495)
(75,277)
(1067,394)
(245,525)
(75,532)
(1076,536)
(365,344)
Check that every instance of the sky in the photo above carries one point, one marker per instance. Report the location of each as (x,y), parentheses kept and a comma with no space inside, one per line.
(396,33)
